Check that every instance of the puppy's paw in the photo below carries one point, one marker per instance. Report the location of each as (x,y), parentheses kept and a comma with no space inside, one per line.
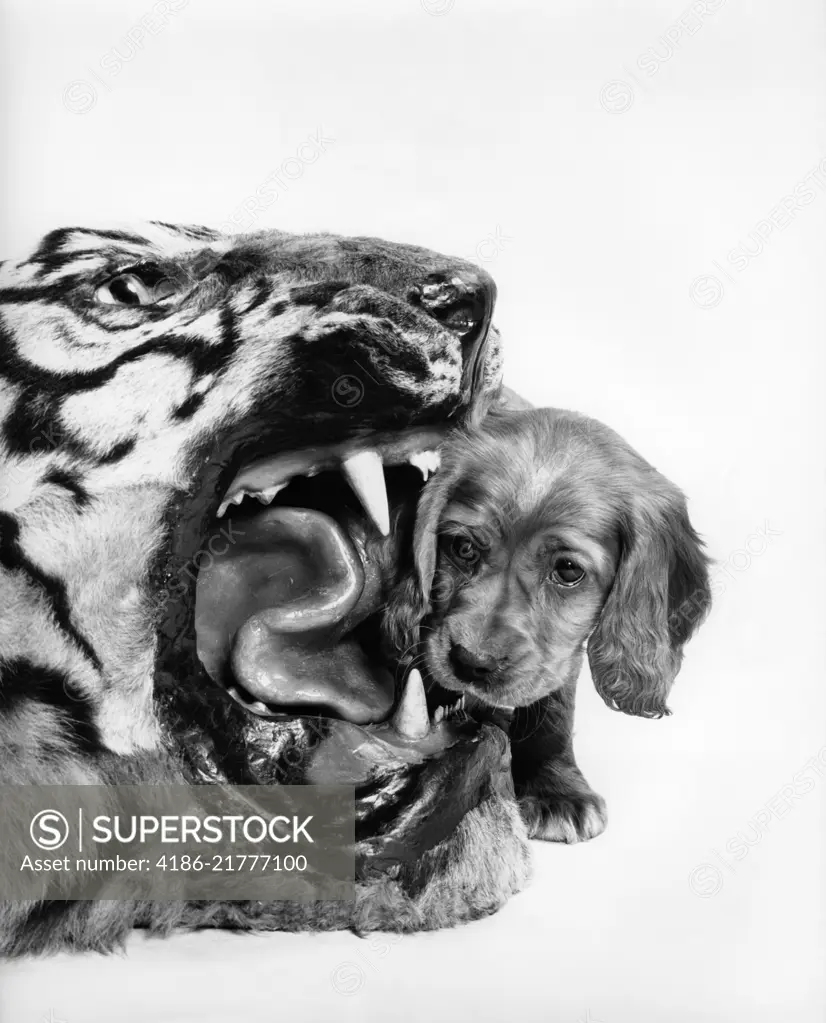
(564,816)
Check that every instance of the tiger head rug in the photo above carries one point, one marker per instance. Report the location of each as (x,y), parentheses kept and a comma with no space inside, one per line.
(180,411)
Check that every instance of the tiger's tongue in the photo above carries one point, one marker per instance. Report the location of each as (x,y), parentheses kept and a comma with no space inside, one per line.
(276,610)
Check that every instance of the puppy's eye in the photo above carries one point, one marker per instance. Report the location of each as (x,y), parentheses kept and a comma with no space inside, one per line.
(144,286)
(464,550)
(566,572)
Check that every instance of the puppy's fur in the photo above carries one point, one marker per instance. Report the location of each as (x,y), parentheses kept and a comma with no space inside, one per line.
(544,534)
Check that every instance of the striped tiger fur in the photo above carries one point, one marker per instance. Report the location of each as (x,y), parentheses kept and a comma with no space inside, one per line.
(134,364)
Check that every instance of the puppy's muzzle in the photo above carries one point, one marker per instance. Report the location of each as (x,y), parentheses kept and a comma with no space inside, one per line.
(468,666)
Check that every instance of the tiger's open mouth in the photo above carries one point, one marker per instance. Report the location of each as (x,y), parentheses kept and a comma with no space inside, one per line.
(288,611)
(280,609)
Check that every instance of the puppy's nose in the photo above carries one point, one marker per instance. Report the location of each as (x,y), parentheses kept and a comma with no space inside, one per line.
(470,667)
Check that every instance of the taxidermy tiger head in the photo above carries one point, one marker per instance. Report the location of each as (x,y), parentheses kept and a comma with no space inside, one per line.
(211,450)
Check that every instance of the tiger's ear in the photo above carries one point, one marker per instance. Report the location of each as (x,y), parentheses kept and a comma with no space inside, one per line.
(660,596)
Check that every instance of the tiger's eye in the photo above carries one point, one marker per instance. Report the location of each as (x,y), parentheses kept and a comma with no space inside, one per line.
(163,289)
(133,289)
(566,572)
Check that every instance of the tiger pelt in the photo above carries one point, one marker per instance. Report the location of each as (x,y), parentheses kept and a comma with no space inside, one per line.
(141,371)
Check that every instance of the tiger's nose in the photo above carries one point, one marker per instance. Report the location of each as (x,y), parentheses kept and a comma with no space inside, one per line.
(470,667)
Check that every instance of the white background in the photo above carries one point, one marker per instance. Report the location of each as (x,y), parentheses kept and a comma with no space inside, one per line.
(457,122)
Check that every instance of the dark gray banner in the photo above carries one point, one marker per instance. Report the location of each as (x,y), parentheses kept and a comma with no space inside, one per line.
(170,842)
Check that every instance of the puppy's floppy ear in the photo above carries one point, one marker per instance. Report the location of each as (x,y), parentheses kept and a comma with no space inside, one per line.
(432,504)
(660,596)
(410,601)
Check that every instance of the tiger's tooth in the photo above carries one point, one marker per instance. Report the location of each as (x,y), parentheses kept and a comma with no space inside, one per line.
(440,713)
(425,461)
(266,496)
(234,499)
(410,719)
(418,461)
(365,474)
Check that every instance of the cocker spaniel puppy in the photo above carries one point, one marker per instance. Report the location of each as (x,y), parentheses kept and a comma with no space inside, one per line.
(543,536)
